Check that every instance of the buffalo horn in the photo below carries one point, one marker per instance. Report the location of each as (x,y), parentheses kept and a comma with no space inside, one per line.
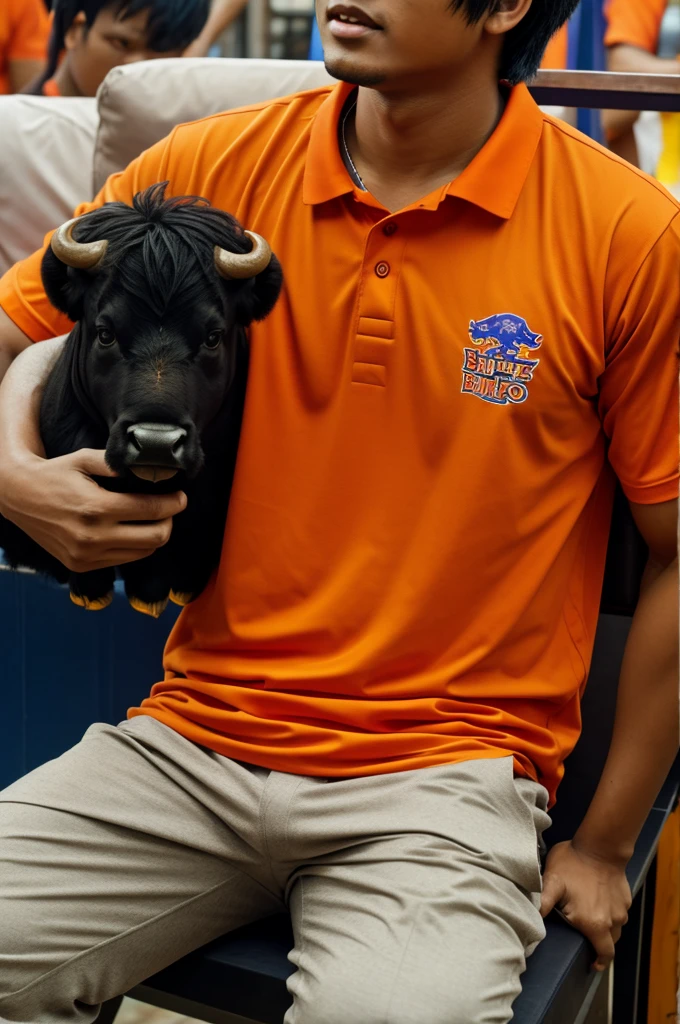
(82,255)
(240,265)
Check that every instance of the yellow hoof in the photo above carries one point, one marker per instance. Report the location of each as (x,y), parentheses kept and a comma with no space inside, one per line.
(181,599)
(154,610)
(95,605)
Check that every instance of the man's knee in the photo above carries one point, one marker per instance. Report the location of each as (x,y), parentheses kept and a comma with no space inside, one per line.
(354,1001)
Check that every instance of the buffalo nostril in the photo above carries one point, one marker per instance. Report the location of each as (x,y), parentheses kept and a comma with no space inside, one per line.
(155,444)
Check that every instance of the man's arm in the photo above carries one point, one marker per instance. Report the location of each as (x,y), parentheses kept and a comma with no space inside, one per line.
(618,124)
(12,342)
(221,16)
(23,72)
(585,878)
(29,35)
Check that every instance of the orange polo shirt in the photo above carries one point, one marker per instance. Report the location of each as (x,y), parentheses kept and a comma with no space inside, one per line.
(24,32)
(414,552)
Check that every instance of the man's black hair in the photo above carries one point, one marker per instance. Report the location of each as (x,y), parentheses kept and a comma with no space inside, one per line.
(525,44)
(173,24)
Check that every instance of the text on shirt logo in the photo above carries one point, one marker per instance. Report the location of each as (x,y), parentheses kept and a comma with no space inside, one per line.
(498,371)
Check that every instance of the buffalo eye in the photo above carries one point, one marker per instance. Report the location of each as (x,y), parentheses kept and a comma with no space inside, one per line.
(214,338)
(105,336)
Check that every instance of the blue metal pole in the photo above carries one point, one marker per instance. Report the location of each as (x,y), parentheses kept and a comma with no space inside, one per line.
(587,53)
(315,47)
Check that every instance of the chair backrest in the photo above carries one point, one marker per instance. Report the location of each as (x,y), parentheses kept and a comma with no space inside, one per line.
(139,104)
(46,149)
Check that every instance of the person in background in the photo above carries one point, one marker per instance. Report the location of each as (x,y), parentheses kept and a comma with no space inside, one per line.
(24,31)
(89,37)
(632,41)
(223,13)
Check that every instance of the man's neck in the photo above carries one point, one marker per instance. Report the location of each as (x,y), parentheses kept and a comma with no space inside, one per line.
(405,146)
(64,80)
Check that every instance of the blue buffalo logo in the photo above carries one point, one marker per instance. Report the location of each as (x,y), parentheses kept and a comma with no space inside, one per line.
(500,368)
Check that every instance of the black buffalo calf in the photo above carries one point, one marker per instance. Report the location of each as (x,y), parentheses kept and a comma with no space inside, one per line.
(154,371)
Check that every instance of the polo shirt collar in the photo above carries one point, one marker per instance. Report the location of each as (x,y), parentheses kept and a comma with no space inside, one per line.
(493,180)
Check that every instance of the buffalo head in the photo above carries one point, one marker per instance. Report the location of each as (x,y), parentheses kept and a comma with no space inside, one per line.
(161,292)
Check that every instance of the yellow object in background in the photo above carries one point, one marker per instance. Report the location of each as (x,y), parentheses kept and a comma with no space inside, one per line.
(668,169)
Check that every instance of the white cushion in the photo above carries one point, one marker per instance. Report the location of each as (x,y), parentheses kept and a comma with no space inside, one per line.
(45,168)
(139,104)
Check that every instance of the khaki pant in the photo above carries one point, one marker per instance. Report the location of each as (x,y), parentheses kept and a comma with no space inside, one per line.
(412,895)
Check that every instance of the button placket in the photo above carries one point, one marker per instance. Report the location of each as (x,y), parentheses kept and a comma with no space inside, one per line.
(375,330)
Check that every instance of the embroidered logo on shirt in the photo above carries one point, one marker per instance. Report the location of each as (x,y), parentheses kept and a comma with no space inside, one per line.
(499,370)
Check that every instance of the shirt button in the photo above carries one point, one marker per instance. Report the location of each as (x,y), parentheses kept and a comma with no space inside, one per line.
(390,229)
(382,269)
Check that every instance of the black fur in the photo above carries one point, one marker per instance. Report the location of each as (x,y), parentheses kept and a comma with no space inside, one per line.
(159,295)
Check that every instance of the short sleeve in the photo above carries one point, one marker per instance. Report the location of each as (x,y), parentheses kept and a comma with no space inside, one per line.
(638,395)
(635,23)
(30,30)
(22,295)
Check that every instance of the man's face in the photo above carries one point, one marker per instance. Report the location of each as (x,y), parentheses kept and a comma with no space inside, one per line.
(394,40)
(110,41)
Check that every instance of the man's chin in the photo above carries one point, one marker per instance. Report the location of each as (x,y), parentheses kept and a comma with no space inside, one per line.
(345,70)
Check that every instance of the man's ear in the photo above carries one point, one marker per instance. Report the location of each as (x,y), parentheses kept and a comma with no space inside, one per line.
(64,286)
(505,15)
(256,297)
(75,33)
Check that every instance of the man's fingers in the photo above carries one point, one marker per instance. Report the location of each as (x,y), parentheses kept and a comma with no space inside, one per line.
(91,461)
(133,538)
(123,537)
(603,943)
(554,891)
(109,561)
(148,508)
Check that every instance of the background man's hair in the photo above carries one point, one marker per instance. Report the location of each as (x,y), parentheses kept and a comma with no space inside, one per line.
(525,44)
(173,24)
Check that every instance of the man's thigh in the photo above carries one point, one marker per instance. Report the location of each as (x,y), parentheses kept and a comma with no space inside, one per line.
(116,859)
(430,920)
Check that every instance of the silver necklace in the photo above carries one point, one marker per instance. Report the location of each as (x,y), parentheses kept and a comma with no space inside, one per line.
(346,148)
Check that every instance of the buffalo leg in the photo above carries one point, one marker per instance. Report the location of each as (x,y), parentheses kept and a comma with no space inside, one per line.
(195,556)
(147,583)
(92,590)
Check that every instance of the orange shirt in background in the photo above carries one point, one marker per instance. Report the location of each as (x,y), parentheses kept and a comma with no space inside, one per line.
(635,22)
(414,552)
(24,32)
(555,55)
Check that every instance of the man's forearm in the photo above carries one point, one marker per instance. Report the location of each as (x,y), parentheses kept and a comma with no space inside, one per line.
(224,12)
(20,396)
(647,729)
(632,59)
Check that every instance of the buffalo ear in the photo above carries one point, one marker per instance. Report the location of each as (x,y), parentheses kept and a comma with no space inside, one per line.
(64,286)
(256,297)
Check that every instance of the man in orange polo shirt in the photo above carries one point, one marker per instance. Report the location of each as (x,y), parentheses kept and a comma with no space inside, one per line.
(24,30)
(365,715)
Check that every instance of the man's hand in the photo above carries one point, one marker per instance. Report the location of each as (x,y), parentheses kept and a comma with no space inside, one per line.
(59,505)
(591,893)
